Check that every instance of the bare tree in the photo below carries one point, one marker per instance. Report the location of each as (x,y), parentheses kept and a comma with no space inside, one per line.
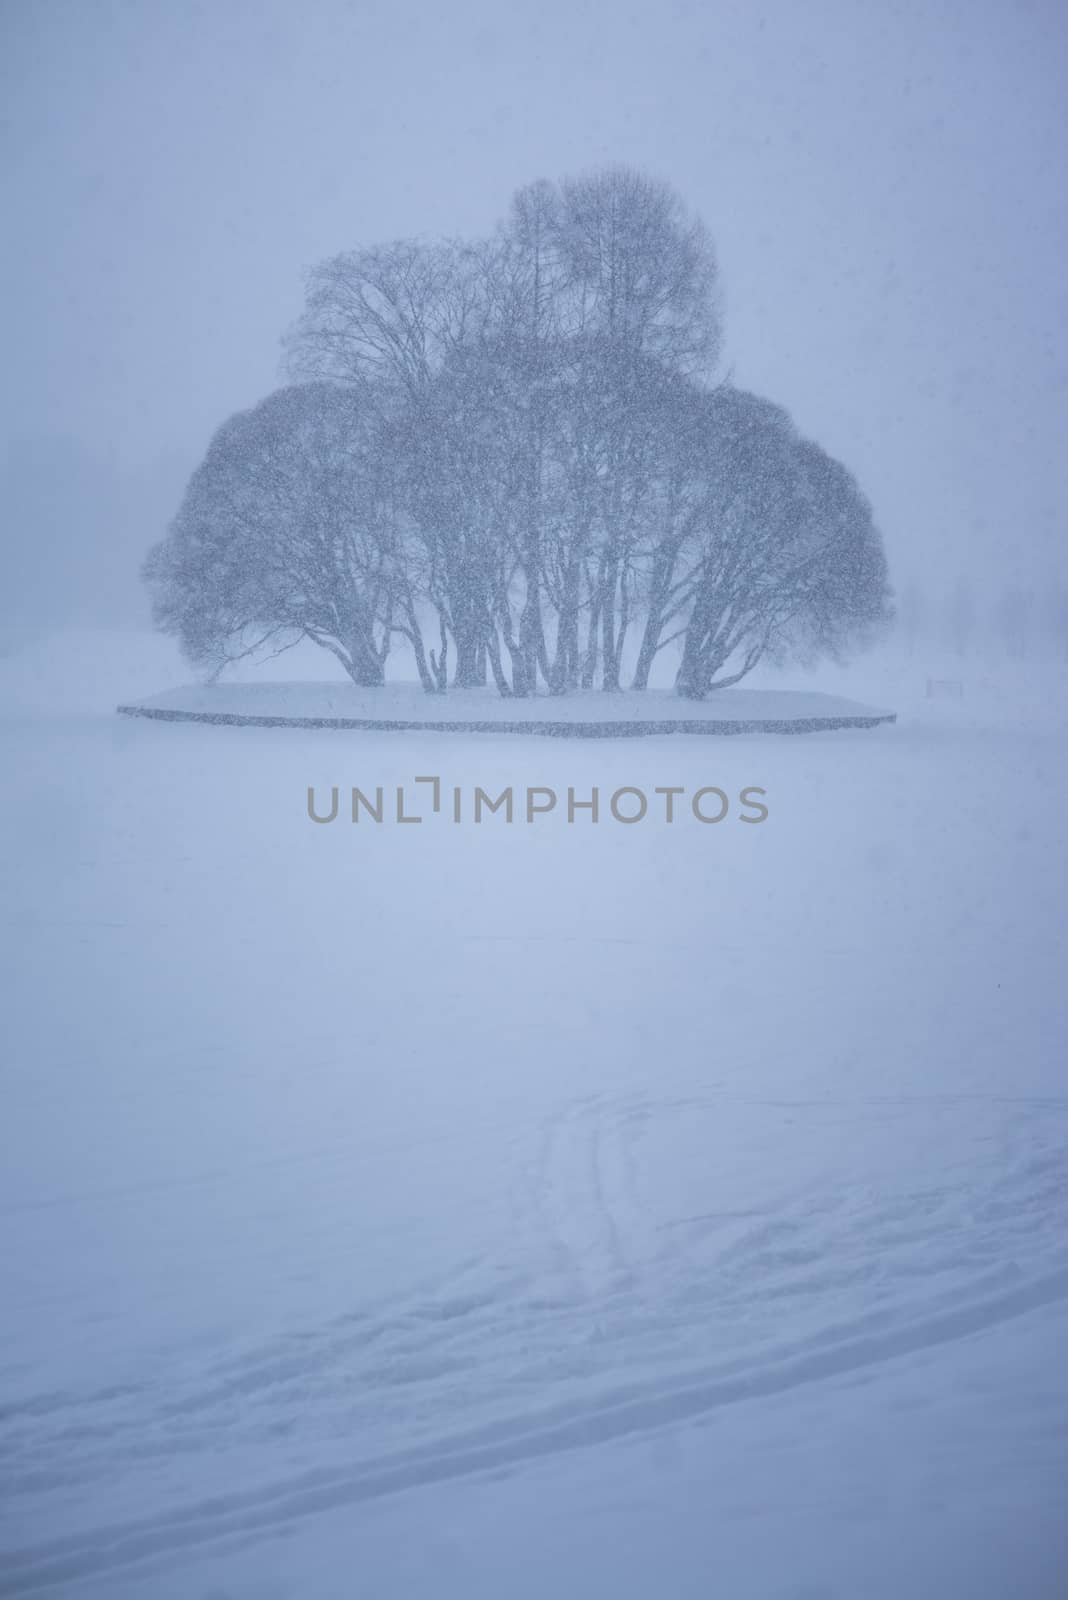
(912,614)
(637,284)
(962,616)
(637,269)
(774,550)
(514,442)
(1015,613)
(387,315)
(589,290)
(287,532)
(388,321)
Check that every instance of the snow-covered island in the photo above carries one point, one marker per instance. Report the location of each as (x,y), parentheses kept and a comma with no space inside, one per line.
(405,707)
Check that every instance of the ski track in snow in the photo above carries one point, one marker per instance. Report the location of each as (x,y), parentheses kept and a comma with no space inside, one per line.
(609,1279)
(504,1445)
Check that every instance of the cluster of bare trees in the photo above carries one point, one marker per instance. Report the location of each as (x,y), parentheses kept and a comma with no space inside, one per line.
(511,455)
(1019,620)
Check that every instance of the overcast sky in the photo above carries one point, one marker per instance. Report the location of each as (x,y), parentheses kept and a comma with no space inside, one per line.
(885,184)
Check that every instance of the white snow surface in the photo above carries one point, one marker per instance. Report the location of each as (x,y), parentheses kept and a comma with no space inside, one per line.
(533,1209)
(408,702)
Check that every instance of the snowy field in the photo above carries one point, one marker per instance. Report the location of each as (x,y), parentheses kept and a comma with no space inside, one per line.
(538,1209)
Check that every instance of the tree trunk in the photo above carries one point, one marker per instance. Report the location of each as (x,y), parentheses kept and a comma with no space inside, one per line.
(470,662)
(367,672)
(610,643)
(647,653)
(693,675)
(663,571)
(563,674)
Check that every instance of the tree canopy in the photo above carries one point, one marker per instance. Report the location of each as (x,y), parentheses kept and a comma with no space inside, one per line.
(514,454)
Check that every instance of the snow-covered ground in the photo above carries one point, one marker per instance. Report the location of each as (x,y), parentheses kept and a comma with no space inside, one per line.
(408,702)
(525,1209)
